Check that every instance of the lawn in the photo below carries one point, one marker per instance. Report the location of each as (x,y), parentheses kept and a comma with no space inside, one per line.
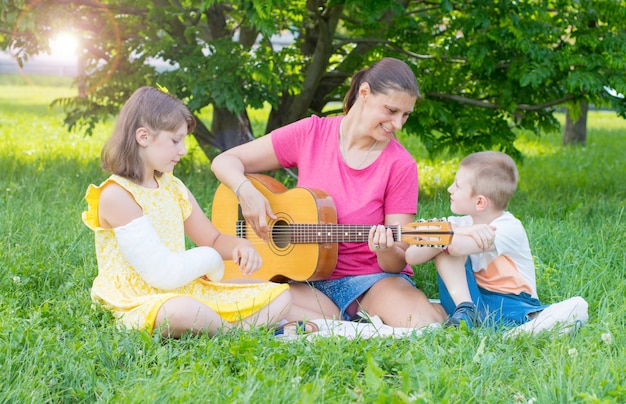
(57,346)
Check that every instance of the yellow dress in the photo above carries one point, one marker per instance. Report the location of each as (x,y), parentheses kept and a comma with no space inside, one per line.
(134,303)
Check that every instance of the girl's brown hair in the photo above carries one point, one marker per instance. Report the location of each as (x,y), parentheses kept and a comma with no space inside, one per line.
(383,76)
(148,108)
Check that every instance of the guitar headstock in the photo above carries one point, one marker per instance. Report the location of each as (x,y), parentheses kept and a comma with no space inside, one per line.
(428,233)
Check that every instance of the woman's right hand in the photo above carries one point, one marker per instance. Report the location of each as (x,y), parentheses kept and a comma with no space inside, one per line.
(255,208)
(230,167)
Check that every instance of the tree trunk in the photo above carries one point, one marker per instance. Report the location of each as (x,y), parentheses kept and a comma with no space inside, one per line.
(576,132)
(296,106)
(227,128)
(227,131)
(318,84)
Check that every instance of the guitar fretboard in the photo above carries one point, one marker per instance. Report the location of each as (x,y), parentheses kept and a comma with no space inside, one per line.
(304,233)
(332,233)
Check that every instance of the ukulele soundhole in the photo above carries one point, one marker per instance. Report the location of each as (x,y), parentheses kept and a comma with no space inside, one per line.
(281,234)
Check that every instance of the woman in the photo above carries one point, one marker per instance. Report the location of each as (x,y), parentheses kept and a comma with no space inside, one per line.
(372,179)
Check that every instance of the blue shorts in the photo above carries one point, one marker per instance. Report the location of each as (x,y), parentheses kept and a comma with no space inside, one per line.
(497,309)
(345,292)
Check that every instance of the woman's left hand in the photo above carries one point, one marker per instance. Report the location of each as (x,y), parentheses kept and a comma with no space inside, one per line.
(380,238)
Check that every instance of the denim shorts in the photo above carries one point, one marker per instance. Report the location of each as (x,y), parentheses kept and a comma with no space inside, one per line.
(496,309)
(345,292)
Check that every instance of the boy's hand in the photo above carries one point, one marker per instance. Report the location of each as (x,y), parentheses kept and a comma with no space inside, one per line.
(482,234)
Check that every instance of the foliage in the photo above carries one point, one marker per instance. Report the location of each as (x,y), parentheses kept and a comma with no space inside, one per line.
(486,67)
(56,346)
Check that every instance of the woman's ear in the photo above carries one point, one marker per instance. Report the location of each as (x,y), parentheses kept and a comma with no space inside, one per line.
(142,136)
(364,89)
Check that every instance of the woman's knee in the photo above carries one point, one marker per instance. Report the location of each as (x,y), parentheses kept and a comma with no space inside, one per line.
(401,304)
(312,299)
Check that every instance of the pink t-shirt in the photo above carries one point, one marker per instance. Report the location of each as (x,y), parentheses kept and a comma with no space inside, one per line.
(363,196)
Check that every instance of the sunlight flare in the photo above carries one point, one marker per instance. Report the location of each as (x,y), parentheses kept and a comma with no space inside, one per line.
(63,45)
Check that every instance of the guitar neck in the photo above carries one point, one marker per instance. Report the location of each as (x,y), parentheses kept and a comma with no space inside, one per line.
(312,233)
(334,233)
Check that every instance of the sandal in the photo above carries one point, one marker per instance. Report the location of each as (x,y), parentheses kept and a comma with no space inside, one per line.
(296,328)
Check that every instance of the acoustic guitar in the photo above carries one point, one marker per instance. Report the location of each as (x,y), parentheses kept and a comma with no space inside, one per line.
(304,236)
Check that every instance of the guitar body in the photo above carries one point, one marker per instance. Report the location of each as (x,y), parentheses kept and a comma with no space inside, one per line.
(282,259)
(304,237)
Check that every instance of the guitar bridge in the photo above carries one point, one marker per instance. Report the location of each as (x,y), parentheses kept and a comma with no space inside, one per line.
(240,229)
(240,224)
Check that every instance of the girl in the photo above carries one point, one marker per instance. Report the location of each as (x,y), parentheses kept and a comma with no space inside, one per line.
(140,216)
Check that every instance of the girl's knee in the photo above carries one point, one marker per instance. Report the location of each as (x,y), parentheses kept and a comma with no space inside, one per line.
(185,314)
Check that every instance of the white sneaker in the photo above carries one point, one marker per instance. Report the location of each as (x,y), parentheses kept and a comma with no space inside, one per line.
(568,315)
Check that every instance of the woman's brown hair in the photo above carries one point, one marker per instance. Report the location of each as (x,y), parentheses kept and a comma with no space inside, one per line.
(383,76)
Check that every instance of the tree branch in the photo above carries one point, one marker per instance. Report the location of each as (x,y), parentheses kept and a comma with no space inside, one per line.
(489,105)
(97,4)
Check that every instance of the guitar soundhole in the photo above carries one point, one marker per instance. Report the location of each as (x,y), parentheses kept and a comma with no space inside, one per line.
(281,234)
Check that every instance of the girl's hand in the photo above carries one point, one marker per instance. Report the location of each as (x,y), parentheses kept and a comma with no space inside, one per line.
(247,257)
(380,238)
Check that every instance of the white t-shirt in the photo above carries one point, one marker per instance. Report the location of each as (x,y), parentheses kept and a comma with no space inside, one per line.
(510,267)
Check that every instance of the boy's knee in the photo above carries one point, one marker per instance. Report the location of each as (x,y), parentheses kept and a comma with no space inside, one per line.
(446,261)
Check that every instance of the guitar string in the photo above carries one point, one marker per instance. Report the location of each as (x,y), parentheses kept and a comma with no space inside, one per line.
(354,230)
(317,233)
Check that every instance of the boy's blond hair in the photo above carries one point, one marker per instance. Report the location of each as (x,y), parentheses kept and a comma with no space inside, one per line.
(494,175)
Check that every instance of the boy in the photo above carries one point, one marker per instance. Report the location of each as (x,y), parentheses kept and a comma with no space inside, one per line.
(487,273)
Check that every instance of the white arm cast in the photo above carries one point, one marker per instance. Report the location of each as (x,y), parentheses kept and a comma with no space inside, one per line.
(160,267)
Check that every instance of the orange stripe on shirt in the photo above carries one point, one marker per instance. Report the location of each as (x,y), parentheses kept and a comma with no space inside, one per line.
(502,276)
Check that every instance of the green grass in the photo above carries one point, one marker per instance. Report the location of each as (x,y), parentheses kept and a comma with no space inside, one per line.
(56,346)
